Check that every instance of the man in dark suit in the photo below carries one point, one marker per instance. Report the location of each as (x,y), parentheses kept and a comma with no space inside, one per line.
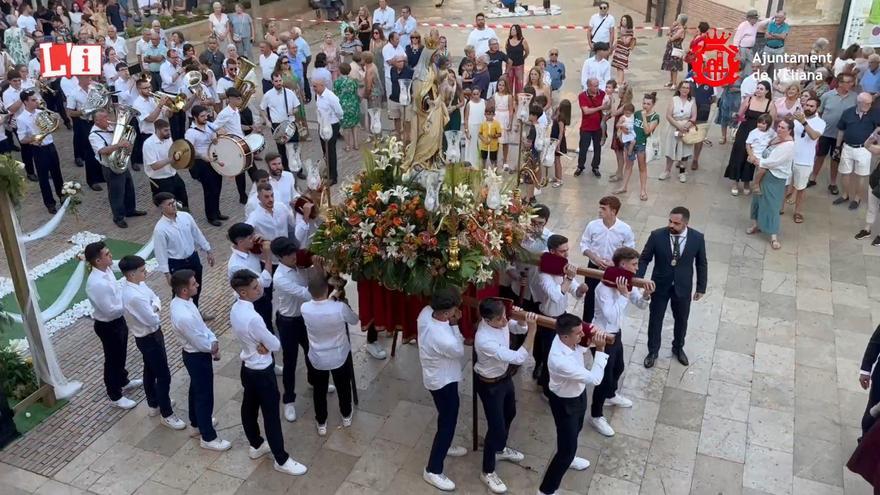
(675,251)
(869,377)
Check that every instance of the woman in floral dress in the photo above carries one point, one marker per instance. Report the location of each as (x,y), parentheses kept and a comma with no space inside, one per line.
(346,88)
(672,57)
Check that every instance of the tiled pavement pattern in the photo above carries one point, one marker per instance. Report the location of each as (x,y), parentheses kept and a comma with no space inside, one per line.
(769,405)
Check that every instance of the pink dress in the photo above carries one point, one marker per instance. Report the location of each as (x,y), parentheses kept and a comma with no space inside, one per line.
(782,110)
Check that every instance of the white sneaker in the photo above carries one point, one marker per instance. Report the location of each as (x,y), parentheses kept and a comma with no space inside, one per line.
(290,412)
(508,454)
(124,403)
(279,370)
(256,453)
(331,389)
(173,422)
(438,481)
(506,168)
(154,411)
(619,401)
(493,482)
(664,175)
(601,425)
(579,464)
(683,177)
(456,451)
(133,384)
(322,430)
(194,432)
(375,349)
(216,444)
(346,422)
(290,467)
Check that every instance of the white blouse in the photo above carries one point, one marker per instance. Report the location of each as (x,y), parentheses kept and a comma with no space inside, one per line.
(778,158)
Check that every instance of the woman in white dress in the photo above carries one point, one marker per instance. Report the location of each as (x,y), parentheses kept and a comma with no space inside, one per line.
(681,115)
(220,25)
(504,107)
(474,115)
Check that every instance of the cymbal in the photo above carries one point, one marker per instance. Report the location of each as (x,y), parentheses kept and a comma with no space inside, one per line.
(187,154)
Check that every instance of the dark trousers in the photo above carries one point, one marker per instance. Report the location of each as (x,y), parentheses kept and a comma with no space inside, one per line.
(157,376)
(320,381)
(282,147)
(613,370)
(81,144)
(173,185)
(137,149)
(307,88)
(263,306)
(590,297)
(540,350)
(27,156)
(293,336)
(584,145)
(873,398)
(241,183)
(499,404)
(681,308)
(191,5)
(446,400)
(120,190)
(372,334)
(212,184)
(201,392)
(156,81)
(45,159)
(177,122)
(568,414)
(114,340)
(261,396)
(191,263)
(329,148)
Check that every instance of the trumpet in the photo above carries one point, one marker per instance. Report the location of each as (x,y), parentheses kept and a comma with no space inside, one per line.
(176,103)
(44,87)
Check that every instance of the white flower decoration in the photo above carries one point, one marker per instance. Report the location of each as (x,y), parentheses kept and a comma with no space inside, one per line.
(365,229)
(400,192)
(384,196)
(495,240)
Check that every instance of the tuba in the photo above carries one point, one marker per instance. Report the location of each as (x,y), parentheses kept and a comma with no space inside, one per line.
(246,88)
(193,80)
(47,122)
(118,160)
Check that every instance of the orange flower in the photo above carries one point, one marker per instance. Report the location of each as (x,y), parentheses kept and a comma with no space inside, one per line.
(392,207)
(356,187)
(354,220)
(370,212)
(421,213)
(397,221)
(373,249)
(378,231)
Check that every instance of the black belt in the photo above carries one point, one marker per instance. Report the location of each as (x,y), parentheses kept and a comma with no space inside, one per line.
(855,145)
(491,381)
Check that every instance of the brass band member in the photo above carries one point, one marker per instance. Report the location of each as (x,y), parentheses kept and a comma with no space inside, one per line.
(43,153)
(76,103)
(13,104)
(120,187)
(157,164)
(278,105)
(201,137)
(172,72)
(247,121)
(149,111)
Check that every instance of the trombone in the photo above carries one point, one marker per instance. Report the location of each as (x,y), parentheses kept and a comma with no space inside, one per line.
(176,103)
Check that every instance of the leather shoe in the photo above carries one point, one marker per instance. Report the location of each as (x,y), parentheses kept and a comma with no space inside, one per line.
(597,173)
(32,178)
(649,359)
(136,167)
(222,217)
(52,209)
(243,200)
(137,213)
(96,187)
(121,223)
(215,222)
(682,357)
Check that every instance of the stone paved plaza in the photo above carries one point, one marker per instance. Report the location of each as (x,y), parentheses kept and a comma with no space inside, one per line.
(770,403)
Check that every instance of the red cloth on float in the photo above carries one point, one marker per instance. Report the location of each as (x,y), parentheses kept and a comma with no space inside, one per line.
(866,458)
(390,310)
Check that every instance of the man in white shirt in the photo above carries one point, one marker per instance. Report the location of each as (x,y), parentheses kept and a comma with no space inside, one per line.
(13,104)
(172,72)
(600,239)
(327,320)
(329,115)
(612,296)
(228,120)
(267,61)
(405,26)
(601,28)
(126,86)
(520,273)
(244,242)
(26,21)
(253,202)
(384,17)
(149,111)
(105,294)
(120,187)
(175,239)
(271,219)
(568,395)
(597,66)
(808,127)
(257,376)
(551,292)
(390,52)
(42,154)
(200,348)
(142,308)
(201,136)
(157,164)
(115,42)
(279,105)
(494,384)
(480,36)
(441,349)
(283,182)
(82,152)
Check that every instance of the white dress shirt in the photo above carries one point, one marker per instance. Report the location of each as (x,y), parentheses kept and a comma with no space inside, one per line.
(76,99)
(229,121)
(493,350)
(119,45)
(611,307)
(247,261)
(190,328)
(405,29)
(284,187)
(250,330)
(601,31)
(172,78)
(603,241)
(599,69)
(145,106)
(200,139)
(12,96)
(568,375)
(534,245)
(547,290)
(110,73)
(683,237)
(329,109)
(271,225)
(305,230)
(326,326)
(156,150)
(176,238)
(289,290)
(223,84)
(385,19)
(441,347)
(100,139)
(27,23)
(279,104)
(267,65)
(105,294)
(142,307)
(27,127)
(252,203)
(389,52)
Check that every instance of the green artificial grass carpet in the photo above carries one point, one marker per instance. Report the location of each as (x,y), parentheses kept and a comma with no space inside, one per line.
(38,412)
(50,285)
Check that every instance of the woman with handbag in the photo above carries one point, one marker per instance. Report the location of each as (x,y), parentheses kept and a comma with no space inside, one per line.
(682,117)
(645,122)
(738,167)
(672,57)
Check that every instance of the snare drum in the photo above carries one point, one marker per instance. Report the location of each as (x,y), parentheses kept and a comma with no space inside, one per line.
(230,155)
(256,142)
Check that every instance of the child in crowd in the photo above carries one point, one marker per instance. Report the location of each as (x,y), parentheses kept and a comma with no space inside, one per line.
(626,131)
(481,75)
(467,74)
(610,94)
(757,141)
(560,123)
(490,132)
(474,113)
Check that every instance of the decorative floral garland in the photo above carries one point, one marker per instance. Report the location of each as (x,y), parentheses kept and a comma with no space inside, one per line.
(12,181)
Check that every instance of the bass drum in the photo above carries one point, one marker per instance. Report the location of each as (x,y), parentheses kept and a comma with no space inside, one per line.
(230,155)
(256,142)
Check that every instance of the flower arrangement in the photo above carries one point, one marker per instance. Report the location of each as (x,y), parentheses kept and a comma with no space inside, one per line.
(12,179)
(416,231)
(71,190)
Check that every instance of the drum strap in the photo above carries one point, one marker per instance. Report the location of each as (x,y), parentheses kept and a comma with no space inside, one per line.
(286,107)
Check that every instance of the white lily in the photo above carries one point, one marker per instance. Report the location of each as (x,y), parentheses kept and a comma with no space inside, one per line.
(400,192)
(365,229)
(384,196)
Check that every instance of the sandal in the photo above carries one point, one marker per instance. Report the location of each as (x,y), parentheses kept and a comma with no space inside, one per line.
(752,230)
(620,191)
(556,183)
(798,218)
(775,244)
(789,200)
(643,196)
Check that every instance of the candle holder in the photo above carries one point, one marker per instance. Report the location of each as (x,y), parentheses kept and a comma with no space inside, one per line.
(454,263)
(453,146)
(375,116)
(523,100)
(293,156)
(405,86)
